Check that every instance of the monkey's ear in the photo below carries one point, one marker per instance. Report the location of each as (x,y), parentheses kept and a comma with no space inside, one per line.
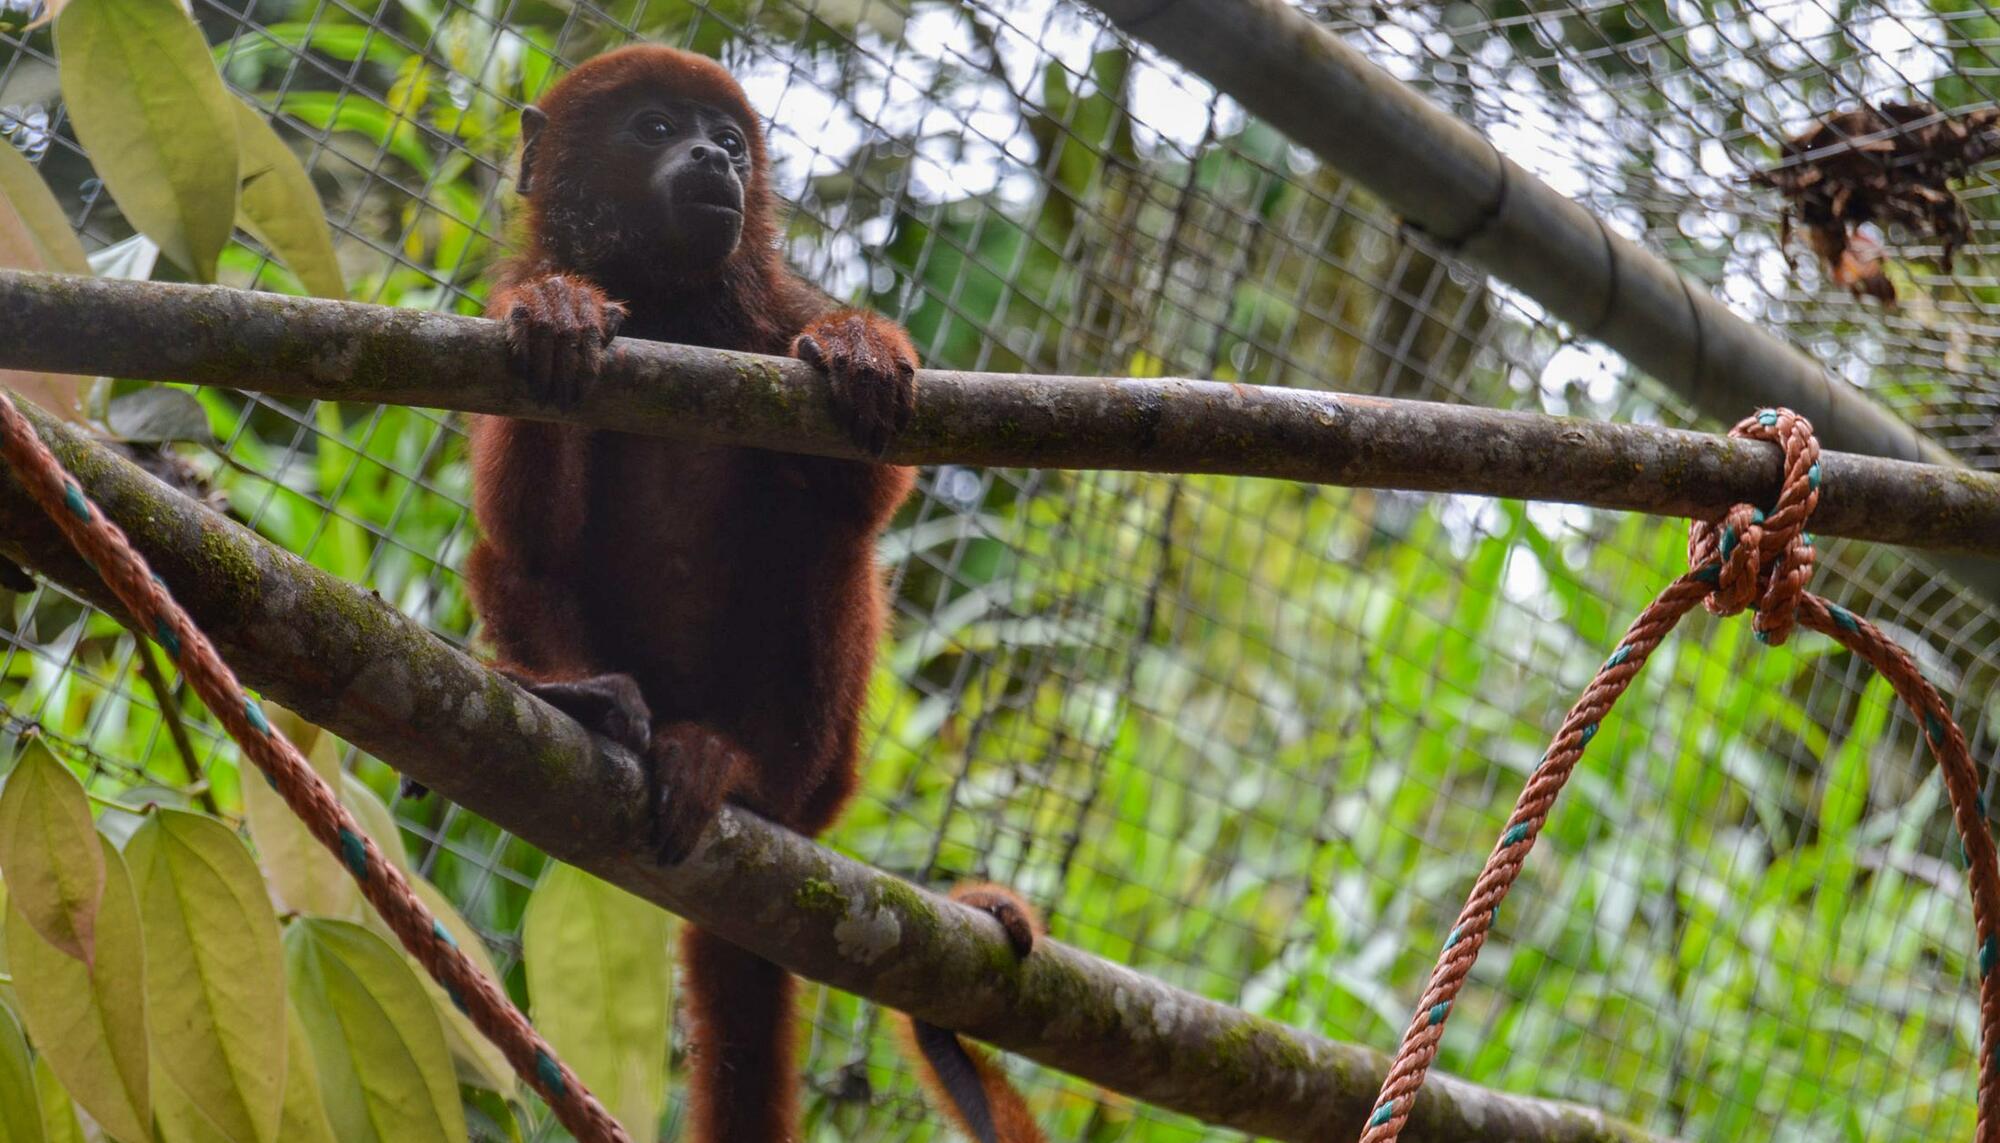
(532,122)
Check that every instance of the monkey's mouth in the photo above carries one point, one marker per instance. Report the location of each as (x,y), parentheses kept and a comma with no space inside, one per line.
(711,195)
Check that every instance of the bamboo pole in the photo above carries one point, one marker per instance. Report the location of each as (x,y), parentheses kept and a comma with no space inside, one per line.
(1446,179)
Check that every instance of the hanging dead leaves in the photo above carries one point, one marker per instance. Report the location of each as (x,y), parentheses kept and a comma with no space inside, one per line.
(1889,164)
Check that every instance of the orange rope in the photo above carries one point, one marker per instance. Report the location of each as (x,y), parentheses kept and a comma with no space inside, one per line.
(145,597)
(1748,559)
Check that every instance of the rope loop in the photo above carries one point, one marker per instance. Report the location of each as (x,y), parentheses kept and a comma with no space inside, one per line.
(1763,560)
(1749,558)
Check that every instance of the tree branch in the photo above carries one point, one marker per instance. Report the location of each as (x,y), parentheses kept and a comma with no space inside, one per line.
(348,351)
(346,660)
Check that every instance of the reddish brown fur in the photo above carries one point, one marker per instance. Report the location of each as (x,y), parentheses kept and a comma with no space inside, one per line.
(738,587)
(931,1048)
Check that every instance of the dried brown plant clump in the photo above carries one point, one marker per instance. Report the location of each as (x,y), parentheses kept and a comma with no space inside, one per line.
(1890,164)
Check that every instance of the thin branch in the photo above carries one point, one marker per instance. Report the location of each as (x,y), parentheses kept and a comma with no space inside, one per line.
(347,661)
(353,352)
(170,713)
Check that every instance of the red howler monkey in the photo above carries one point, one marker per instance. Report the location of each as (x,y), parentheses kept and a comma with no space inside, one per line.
(962,1079)
(715,608)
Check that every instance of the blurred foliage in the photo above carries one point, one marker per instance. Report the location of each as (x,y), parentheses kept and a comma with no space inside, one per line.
(1250,737)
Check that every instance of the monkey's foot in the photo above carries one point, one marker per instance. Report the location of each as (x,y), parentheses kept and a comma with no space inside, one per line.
(557,331)
(1004,905)
(695,767)
(608,704)
(870,371)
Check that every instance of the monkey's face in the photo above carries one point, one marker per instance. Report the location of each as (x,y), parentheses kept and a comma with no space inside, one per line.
(686,165)
(648,177)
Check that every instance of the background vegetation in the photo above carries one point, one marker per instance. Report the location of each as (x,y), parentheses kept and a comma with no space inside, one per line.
(1250,737)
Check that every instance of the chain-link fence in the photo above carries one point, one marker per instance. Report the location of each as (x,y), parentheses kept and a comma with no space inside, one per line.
(1250,737)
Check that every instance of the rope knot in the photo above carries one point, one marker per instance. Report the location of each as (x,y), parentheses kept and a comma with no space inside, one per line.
(1763,559)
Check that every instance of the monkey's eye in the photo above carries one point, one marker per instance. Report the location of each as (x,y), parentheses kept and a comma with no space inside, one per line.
(654,129)
(731,142)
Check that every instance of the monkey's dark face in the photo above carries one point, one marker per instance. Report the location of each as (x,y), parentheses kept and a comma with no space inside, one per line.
(649,176)
(684,166)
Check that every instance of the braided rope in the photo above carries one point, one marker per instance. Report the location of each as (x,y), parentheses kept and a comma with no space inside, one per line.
(145,597)
(1747,559)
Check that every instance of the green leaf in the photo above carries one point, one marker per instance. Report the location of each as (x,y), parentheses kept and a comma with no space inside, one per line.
(280,207)
(59,1123)
(215,977)
(20,1106)
(304,875)
(149,106)
(597,964)
(89,1022)
(376,820)
(384,1070)
(49,852)
(34,235)
(480,1061)
(305,1115)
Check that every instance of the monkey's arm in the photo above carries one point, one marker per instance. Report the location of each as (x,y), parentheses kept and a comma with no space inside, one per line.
(870,367)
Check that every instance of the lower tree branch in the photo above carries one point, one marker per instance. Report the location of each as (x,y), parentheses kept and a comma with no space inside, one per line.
(346,660)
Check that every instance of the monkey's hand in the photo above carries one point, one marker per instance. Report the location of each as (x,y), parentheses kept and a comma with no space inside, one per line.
(1015,915)
(557,330)
(871,372)
(695,769)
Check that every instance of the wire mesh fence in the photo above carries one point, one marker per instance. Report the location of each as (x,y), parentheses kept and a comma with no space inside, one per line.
(1250,737)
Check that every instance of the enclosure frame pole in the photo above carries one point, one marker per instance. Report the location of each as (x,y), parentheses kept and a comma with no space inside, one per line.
(1445,178)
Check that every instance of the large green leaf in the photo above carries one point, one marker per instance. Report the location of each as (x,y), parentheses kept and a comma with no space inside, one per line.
(280,207)
(89,1022)
(49,852)
(20,1107)
(305,1115)
(599,975)
(59,1124)
(384,1071)
(304,876)
(149,106)
(215,977)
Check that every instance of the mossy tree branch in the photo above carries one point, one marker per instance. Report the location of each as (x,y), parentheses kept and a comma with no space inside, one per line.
(348,661)
(347,351)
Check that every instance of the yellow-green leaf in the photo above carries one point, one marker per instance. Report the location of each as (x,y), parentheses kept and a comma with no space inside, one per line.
(49,852)
(384,1071)
(376,820)
(280,207)
(89,1022)
(215,977)
(178,1119)
(599,976)
(305,1116)
(20,1106)
(303,875)
(142,90)
(34,235)
(59,1123)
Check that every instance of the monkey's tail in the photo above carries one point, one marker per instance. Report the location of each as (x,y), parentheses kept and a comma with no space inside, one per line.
(967,1084)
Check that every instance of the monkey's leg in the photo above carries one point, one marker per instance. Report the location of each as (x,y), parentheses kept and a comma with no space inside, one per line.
(695,769)
(740,1009)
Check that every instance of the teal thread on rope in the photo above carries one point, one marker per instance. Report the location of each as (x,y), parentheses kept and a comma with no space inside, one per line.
(255,714)
(1989,953)
(354,852)
(1382,1114)
(1516,834)
(78,506)
(165,637)
(551,1075)
(1439,1011)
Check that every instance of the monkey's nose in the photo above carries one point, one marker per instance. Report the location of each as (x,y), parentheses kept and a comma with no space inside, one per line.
(713,158)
